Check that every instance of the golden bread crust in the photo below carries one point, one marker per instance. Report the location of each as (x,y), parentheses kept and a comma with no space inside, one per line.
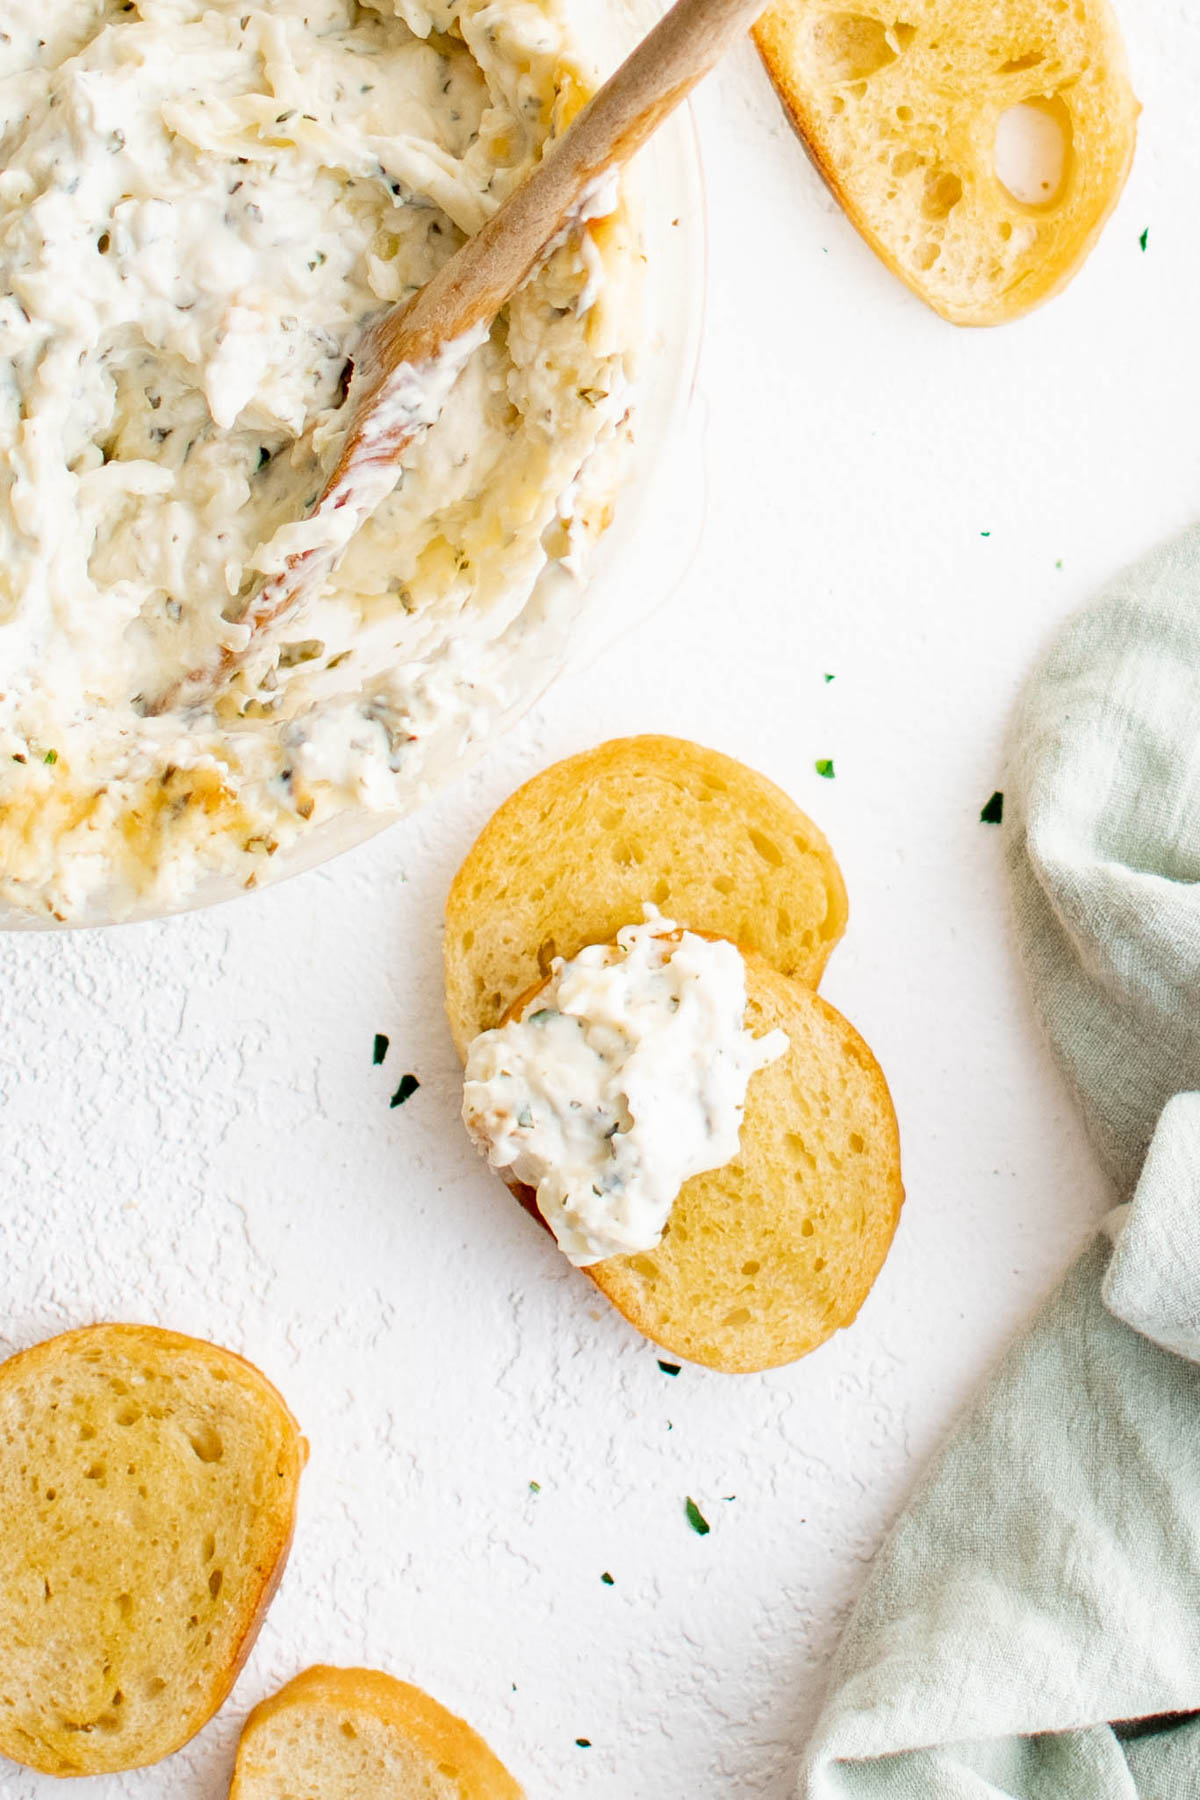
(148,1486)
(764,1259)
(898,107)
(359,1734)
(573,855)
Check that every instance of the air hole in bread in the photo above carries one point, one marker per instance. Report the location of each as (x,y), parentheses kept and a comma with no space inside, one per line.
(97,1472)
(1032,150)
(124,1604)
(206,1443)
(943,191)
(129,1415)
(807,1228)
(547,951)
(347,1729)
(214,1582)
(154,1687)
(467,939)
(767,848)
(1017,64)
(926,254)
(86,1433)
(739,1316)
(857,1143)
(723,884)
(644,1267)
(612,819)
(751,1268)
(851,46)
(905,115)
(662,892)
(818,1263)
(209,1547)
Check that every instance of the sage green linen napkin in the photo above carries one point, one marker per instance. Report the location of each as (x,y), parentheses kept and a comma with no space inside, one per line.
(1032,1627)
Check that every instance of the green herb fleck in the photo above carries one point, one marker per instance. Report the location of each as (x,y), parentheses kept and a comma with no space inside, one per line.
(985,534)
(381,1048)
(696,1518)
(668,1368)
(607,1579)
(1145,238)
(993,812)
(824,767)
(535,1487)
(51,756)
(584,1743)
(1059,563)
(829,678)
(408,1087)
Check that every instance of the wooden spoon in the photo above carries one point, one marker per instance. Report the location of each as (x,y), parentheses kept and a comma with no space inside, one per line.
(395,393)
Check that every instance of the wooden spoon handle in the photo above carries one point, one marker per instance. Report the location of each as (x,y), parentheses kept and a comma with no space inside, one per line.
(486,272)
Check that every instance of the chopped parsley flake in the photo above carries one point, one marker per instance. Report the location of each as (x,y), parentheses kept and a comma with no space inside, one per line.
(696,1518)
(993,812)
(668,1368)
(985,534)
(1145,238)
(408,1087)
(51,756)
(535,1487)
(824,767)
(607,1579)
(381,1048)
(1059,563)
(829,678)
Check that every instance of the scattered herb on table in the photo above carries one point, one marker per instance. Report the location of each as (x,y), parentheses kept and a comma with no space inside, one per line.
(607,1579)
(381,1048)
(824,767)
(696,1518)
(1059,563)
(668,1368)
(993,812)
(408,1087)
(1145,238)
(985,534)
(535,1487)
(584,1743)
(829,678)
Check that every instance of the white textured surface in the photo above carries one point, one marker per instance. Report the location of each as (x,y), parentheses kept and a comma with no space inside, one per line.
(193,1131)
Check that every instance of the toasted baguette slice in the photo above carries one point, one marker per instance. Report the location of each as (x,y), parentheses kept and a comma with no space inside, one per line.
(573,856)
(899,104)
(763,1259)
(147,1495)
(356,1734)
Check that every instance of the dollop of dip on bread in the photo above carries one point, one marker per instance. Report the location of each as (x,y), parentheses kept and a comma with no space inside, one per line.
(617,1080)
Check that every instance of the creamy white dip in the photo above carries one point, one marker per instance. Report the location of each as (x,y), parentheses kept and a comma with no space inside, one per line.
(203,203)
(626,1076)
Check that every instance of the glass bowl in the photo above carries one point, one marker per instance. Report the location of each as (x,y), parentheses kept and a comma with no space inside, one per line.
(655,518)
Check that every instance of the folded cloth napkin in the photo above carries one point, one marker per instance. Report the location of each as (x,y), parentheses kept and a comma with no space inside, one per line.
(1031,1629)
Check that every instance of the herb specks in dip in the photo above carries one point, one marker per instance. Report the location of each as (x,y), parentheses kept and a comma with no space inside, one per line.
(626,1076)
(203,204)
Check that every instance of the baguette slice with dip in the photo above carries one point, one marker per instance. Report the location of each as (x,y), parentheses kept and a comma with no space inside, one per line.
(766,1257)
(574,855)
(357,1734)
(148,1489)
(899,104)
